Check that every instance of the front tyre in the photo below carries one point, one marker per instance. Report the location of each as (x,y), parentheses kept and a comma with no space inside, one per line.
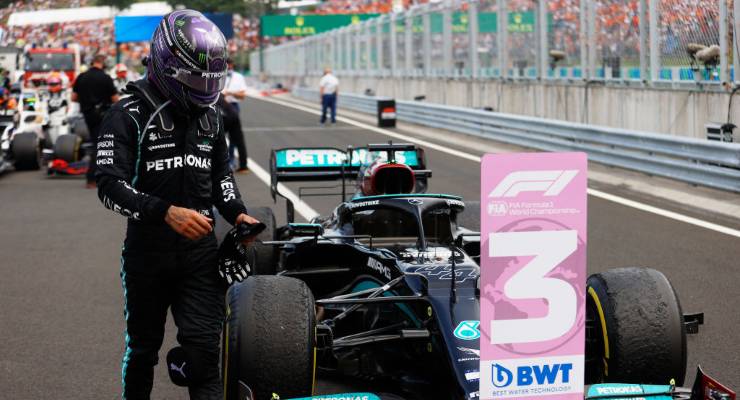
(26,149)
(269,338)
(637,332)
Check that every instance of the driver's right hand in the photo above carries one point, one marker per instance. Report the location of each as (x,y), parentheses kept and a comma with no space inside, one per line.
(188,223)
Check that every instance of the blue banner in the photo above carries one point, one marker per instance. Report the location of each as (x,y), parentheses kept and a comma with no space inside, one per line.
(141,28)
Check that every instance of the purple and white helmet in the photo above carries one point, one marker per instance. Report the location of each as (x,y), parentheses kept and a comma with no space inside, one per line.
(188,56)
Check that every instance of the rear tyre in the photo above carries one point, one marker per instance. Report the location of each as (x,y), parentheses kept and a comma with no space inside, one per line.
(26,150)
(636,332)
(263,258)
(67,148)
(269,338)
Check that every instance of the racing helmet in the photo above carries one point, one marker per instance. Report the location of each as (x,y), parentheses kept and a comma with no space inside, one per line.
(55,84)
(187,62)
(121,71)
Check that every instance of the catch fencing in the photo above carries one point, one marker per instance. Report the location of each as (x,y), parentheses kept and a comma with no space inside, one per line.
(674,43)
(695,161)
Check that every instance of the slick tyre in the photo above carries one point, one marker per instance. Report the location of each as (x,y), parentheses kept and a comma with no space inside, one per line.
(26,149)
(636,331)
(263,258)
(67,147)
(269,338)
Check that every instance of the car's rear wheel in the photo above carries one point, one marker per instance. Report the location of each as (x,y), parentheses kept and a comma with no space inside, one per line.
(263,258)
(269,338)
(636,331)
(67,148)
(26,149)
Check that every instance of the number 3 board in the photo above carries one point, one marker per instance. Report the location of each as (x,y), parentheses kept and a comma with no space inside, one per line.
(533,275)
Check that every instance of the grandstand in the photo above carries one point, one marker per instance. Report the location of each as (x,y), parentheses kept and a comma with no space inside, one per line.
(616,22)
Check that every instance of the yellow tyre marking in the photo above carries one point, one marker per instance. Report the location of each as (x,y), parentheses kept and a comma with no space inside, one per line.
(313,379)
(600,310)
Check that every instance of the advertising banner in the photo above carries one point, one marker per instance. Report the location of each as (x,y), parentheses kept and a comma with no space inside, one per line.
(307,25)
(533,275)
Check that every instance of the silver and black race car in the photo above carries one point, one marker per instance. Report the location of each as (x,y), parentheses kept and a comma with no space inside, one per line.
(386,290)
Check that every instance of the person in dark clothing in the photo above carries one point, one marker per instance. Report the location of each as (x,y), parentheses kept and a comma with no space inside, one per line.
(235,92)
(233,126)
(95,92)
(6,79)
(163,163)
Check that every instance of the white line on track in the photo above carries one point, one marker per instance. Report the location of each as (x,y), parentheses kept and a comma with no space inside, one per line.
(301,207)
(294,129)
(472,157)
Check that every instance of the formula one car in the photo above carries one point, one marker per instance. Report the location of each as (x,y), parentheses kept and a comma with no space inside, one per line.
(386,289)
(38,130)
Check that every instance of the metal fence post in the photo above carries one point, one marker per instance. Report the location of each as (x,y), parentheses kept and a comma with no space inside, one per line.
(394,45)
(368,48)
(654,32)
(736,40)
(591,16)
(724,72)
(473,38)
(645,73)
(379,22)
(408,64)
(541,29)
(426,40)
(447,38)
(348,50)
(503,28)
(583,35)
(357,38)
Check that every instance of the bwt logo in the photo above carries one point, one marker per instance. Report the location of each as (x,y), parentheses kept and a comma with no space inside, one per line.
(551,182)
(527,375)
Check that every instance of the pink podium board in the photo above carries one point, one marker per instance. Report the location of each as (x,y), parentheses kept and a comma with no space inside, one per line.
(533,275)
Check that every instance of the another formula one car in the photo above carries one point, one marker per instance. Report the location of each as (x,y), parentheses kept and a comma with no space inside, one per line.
(39,130)
(386,289)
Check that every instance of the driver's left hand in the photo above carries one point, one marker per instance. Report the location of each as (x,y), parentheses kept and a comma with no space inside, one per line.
(244,218)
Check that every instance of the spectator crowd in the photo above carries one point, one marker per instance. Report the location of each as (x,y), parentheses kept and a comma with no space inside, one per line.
(617,25)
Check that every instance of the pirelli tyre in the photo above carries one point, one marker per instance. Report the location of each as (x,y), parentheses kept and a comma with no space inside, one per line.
(263,258)
(26,149)
(67,147)
(269,338)
(636,331)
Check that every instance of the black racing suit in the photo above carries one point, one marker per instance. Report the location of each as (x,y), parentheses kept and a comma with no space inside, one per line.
(144,166)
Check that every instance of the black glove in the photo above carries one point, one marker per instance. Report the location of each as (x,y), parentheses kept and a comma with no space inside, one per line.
(233,265)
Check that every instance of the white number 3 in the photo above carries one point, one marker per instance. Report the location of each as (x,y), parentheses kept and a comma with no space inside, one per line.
(549,249)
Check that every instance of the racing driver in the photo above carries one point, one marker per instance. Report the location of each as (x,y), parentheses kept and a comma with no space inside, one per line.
(163,163)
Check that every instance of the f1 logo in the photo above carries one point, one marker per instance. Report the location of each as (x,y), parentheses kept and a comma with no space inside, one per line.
(551,182)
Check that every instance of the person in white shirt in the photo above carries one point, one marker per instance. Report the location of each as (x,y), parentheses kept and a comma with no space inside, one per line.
(234,92)
(328,88)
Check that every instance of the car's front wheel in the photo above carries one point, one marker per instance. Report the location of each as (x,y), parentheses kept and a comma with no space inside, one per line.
(269,338)
(636,331)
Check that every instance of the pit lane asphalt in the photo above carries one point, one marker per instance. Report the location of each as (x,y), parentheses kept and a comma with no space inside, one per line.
(61,322)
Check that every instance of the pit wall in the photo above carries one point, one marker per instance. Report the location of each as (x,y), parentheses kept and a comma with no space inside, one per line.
(678,112)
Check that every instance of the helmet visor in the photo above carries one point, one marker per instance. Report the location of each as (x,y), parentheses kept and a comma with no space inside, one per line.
(199,80)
